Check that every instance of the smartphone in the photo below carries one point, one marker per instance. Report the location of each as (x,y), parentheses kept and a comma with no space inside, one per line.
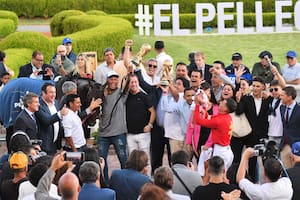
(74,156)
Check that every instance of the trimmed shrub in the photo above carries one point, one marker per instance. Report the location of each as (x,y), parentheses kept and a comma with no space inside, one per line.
(4,14)
(29,40)
(7,26)
(56,24)
(102,32)
(96,12)
(17,57)
(48,8)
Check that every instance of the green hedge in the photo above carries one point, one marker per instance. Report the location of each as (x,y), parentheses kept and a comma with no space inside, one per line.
(29,40)
(4,14)
(56,24)
(88,32)
(96,12)
(48,8)
(189,20)
(17,57)
(102,32)
(7,27)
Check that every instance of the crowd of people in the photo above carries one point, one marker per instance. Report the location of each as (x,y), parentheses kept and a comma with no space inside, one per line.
(222,118)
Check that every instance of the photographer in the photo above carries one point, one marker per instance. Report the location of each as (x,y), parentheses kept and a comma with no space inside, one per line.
(62,64)
(274,187)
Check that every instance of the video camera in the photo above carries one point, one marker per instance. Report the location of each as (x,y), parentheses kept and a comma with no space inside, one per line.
(266,149)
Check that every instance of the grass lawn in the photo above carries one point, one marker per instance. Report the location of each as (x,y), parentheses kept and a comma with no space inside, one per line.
(221,47)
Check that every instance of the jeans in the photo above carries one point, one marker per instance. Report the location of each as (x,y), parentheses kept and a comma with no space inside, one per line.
(119,143)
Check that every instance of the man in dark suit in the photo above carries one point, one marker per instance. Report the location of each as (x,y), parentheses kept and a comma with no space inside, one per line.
(200,64)
(290,115)
(36,69)
(256,110)
(26,120)
(49,119)
(89,174)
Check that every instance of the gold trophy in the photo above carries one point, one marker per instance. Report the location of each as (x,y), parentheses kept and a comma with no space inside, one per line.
(137,60)
(166,70)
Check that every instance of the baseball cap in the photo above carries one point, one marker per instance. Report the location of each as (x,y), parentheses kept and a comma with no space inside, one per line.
(296,148)
(291,54)
(265,53)
(18,160)
(66,40)
(111,74)
(159,44)
(236,56)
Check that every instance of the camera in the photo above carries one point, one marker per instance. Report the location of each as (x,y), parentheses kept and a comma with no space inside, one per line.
(266,149)
(36,142)
(42,73)
(75,157)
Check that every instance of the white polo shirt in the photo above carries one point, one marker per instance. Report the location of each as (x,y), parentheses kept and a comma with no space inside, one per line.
(73,128)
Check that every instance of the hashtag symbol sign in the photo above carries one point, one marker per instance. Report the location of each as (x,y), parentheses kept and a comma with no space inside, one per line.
(143,19)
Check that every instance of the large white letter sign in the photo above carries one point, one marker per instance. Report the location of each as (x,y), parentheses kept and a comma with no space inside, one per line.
(222,17)
(176,23)
(158,19)
(280,15)
(200,18)
(297,15)
(240,19)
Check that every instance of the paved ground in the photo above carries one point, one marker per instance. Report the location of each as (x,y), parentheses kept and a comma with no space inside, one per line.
(37,28)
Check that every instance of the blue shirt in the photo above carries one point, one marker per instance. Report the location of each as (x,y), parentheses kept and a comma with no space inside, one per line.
(230,73)
(90,191)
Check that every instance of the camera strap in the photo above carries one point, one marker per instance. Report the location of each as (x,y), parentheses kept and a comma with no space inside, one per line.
(181,181)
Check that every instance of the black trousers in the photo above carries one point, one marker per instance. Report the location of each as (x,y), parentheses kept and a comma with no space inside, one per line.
(237,145)
(158,142)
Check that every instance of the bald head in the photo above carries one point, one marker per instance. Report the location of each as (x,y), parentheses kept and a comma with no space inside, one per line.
(68,186)
(61,50)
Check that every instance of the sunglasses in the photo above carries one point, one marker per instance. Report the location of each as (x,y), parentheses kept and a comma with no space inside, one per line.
(273,89)
(154,66)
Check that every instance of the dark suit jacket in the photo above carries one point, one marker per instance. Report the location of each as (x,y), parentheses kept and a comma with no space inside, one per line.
(207,74)
(25,123)
(259,123)
(26,71)
(291,130)
(46,133)
(294,174)
(92,192)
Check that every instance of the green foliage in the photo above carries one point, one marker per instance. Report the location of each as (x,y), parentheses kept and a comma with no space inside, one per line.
(29,40)
(7,27)
(48,8)
(56,24)
(17,57)
(4,14)
(96,12)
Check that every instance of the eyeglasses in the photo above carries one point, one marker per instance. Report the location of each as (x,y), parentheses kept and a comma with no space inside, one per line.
(38,60)
(154,66)
(274,89)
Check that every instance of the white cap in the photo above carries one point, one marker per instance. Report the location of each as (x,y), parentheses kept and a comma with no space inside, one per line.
(112,73)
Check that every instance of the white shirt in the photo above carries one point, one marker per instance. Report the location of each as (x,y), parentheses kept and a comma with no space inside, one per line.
(275,122)
(181,107)
(257,102)
(279,190)
(291,73)
(73,128)
(27,190)
(174,196)
(160,58)
(101,73)
(172,125)
(151,81)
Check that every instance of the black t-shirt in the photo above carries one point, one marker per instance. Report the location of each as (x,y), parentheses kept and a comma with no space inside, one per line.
(10,190)
(137,112)
(212,191)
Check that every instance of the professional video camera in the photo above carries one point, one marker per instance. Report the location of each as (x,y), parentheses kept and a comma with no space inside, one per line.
(266,149)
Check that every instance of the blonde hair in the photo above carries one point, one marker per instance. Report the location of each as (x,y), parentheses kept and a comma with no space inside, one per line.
(87,66)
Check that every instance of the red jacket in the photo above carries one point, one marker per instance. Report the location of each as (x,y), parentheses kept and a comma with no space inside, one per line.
(221,126)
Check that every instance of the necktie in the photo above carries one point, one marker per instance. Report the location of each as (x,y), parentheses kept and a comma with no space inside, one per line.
(33,118)
(287,115)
